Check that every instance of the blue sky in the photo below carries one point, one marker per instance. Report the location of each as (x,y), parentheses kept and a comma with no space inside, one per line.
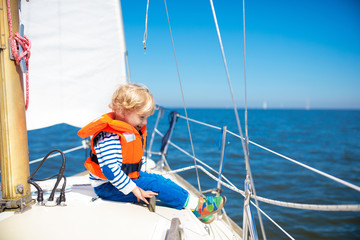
(298,53)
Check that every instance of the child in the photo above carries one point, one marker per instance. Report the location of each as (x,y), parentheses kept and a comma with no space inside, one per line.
(117,146)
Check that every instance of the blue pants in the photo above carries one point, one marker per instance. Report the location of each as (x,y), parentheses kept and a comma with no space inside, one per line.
(169,193)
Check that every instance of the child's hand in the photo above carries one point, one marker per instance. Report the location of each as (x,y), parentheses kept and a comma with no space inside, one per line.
(142,195)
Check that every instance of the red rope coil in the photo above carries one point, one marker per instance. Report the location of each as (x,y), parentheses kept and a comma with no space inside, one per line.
(25,44)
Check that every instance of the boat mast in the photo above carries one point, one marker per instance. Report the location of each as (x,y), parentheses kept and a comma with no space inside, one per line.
(14,152)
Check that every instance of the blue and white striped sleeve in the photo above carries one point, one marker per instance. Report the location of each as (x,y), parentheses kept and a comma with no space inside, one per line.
(109,154)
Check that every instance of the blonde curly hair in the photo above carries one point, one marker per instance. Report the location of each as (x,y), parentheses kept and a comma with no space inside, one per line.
(133,97)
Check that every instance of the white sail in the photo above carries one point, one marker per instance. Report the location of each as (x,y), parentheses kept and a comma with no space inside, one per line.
(77,59)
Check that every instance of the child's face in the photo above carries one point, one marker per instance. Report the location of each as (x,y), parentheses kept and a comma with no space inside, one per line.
(133,118)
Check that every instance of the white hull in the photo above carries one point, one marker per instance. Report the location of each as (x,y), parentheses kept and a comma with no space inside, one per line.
(83,218)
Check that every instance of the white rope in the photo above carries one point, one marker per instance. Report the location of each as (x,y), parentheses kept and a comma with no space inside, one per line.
(198,160)
(346,207)
(201,123)
(57,154)
(273,221)
(318,207)
(231,186)
(275,202)
(355,187)
(146,24)
(244,41)
(182,94)
(244,143)
(350,185)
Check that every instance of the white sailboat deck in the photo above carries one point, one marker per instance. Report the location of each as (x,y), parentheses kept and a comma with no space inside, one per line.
(85,218)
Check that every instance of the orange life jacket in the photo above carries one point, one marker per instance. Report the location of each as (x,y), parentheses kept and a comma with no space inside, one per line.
(132,144)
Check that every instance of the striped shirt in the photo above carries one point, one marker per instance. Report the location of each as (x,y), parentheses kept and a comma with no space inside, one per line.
(109,155)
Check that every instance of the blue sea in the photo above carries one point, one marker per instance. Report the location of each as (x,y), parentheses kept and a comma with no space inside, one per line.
(328,140)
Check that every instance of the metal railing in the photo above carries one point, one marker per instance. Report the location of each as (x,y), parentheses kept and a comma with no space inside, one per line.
(221,180)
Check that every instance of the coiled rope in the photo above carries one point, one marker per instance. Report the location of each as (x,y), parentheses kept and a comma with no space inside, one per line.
(25,43)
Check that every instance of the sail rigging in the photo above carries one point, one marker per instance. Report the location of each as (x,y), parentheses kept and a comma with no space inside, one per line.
(82,70)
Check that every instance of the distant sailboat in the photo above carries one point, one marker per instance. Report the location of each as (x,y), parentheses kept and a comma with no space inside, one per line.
(264,105)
